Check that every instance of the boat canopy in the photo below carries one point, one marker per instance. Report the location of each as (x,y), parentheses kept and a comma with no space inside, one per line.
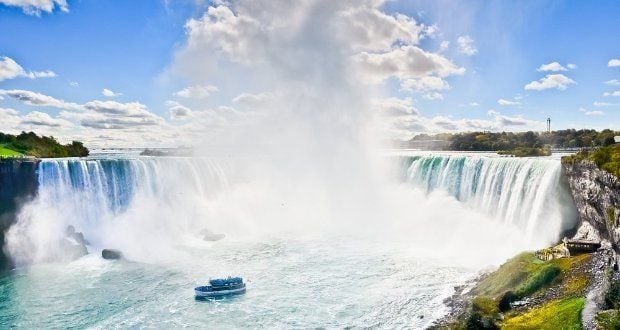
(226,281)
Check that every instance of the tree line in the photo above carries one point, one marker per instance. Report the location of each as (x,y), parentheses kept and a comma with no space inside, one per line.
(30,144)
(489,141)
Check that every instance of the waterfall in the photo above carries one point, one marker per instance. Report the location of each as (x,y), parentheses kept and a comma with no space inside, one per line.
(529,193)
(117,202)
(95,187)
(146,204)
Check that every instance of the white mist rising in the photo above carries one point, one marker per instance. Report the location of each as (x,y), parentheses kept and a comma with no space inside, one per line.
(304,161)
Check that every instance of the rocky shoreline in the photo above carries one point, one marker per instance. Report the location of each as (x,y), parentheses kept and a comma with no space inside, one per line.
(582,290)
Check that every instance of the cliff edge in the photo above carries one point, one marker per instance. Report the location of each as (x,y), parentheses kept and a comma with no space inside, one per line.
(597,197)
(18,184)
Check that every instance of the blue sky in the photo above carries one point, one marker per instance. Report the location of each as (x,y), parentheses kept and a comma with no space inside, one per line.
(132,48)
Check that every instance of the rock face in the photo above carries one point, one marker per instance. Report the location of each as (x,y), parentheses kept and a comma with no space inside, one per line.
(77,236)
(18,184)
(111,254)
(210,236)
(597,197)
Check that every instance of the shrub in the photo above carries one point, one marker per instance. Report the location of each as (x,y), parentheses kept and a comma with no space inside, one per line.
(543,277)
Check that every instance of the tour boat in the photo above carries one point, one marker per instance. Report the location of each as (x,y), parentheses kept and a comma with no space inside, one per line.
(220,287)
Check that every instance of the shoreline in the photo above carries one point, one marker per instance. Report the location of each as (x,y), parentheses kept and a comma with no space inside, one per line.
(584,278)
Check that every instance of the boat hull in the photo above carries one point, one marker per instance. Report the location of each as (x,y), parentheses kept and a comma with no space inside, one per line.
(220,293)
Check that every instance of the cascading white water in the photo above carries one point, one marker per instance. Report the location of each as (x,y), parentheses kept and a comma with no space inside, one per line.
(392,251)
(94,195)
(142,203)
(524,192)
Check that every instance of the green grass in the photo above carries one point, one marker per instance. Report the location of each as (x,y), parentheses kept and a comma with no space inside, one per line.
(525,274)
(608,320)
(4,152)
(559,314)
(538,279)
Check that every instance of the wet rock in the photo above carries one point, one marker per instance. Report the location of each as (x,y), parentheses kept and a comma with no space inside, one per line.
(210,236)
(77,236)
(72,251)
(111,254)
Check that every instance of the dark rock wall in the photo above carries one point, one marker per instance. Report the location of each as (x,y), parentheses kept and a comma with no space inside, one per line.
(18,184)
(597,197)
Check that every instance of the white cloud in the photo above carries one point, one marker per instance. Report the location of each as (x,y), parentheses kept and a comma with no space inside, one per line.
(605,104)
(474,104)
(9,69)
(37,99)
(177,111)
(405,62)
(74,84)
(380,44)
(505,102)
(572,66)
(402,120)
(38,118)
(616,93)
(553,66)
(253,101)
(394,106)
(34,7)
(594,113)
(613,82)
(466,45)
(115,115)
(108,93)
(10,120)
(279,41)
(94,114)
(433,96)
(505,121)
(444,46)
(39,74)
(245,34)
(424,84)
(613,63)
(551,81)
(197,91)
(370,29)
(132,109)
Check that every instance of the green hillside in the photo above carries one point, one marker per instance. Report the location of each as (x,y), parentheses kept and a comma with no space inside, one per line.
(4,152)
(30,144)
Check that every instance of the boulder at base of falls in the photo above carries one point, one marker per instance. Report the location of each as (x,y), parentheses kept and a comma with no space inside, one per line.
(72,251)
(111,254)
(210,236)
(77,236)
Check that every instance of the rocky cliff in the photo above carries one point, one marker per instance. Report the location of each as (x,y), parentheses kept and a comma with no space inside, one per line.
(597,197)
(18,184)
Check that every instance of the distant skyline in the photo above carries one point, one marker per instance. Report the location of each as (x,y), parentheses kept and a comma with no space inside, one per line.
(129,73)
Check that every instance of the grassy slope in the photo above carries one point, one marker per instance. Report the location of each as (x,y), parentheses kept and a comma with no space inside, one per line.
(527,276)
(559,314)
(4,152)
